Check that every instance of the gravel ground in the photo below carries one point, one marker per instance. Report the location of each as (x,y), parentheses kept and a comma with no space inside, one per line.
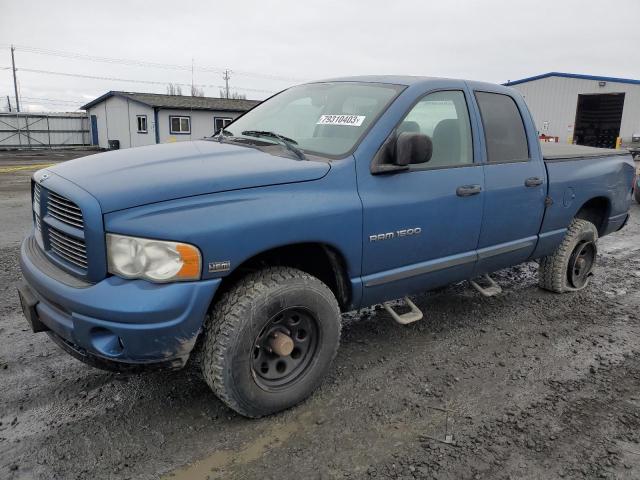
(529,384)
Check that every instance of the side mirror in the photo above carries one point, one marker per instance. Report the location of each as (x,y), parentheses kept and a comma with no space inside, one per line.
(412,148)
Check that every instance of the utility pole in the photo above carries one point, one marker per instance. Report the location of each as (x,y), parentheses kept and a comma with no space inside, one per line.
(15,80)
(226,78)
(9,102)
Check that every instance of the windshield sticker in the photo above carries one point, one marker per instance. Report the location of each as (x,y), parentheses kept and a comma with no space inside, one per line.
(349,120)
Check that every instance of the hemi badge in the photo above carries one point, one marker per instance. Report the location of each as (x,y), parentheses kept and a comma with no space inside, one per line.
(219,266)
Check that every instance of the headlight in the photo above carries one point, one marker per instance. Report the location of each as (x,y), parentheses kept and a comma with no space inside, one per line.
(153,260)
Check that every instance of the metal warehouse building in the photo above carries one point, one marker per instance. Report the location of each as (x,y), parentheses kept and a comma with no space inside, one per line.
(129,119)
(583,109)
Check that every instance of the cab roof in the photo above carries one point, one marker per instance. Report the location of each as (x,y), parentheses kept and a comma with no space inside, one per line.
(410,80)
(390,79)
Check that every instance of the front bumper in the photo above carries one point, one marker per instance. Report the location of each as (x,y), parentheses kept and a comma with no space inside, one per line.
(116,320)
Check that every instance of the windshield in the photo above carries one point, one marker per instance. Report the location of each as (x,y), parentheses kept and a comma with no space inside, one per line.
(322,118)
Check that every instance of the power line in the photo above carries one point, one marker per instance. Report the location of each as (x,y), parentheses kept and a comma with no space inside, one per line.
(81,56)
(50,101)
(53,100)
(143,63)
(130,80)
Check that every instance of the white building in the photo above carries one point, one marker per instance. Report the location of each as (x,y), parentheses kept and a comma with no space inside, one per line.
(583,109)
(129,119)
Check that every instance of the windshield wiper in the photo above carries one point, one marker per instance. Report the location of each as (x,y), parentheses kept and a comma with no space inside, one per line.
(288,143)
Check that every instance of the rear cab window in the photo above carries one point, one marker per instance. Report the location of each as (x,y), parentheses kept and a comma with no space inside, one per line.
(504,130)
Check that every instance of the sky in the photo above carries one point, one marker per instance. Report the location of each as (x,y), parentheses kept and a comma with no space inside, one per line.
(270,45)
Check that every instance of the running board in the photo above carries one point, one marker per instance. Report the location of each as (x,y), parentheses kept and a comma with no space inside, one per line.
(491,290)
(413,316)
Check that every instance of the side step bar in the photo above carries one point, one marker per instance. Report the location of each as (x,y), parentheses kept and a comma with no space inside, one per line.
(490,290)
(413,316)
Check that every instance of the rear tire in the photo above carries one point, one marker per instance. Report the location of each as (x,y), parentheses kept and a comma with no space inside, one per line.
(571,266)
(238,361)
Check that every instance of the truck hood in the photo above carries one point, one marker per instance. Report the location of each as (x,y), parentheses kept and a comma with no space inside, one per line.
(128,178)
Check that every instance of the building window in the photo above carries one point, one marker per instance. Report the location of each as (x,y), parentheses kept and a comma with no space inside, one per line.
(180,125)
(221,122)
(142,123)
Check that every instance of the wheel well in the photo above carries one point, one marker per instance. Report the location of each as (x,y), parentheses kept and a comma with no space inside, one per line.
(320,260)
(595,211)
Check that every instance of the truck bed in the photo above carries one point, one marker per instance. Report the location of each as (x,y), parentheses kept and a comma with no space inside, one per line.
(557,151)
(576,175)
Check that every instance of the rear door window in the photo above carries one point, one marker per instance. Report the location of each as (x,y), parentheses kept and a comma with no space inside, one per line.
(504,130)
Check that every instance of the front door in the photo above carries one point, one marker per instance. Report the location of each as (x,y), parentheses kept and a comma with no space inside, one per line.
(421,226)
(515,184)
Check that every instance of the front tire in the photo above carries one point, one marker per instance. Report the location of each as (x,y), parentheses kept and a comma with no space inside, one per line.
(270,341)
(571,266)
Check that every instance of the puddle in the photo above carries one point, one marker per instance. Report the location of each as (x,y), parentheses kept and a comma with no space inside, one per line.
(217,464)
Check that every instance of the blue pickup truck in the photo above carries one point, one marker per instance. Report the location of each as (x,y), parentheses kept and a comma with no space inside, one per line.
(240,251)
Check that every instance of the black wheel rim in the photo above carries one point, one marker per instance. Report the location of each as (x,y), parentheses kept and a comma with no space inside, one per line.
(581,264)
(275,372)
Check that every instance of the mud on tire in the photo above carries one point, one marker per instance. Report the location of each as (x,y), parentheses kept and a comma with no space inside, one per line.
(261,300)
(554,271)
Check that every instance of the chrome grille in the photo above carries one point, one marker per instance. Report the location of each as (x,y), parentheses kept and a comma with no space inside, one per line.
(36,212)
(61,243)
(36,197)
(73,250)
(64,210)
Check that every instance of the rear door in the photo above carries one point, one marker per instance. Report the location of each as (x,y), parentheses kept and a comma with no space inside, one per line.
(421,226)
(515,183)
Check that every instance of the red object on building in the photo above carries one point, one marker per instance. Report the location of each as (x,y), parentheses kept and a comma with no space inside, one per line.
(547,138)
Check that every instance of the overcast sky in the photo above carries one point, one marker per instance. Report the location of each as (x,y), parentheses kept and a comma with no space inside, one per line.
(294,41)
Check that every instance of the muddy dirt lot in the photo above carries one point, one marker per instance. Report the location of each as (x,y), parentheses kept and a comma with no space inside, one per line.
(536,386)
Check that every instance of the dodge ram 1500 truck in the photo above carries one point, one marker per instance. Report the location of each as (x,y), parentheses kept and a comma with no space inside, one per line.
(242,250)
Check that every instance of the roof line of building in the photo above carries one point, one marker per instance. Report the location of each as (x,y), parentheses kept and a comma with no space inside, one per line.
(572,75)
(135,97)
(110,93)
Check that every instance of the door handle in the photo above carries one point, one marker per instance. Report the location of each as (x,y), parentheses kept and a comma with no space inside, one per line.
(533,182)
(468,190)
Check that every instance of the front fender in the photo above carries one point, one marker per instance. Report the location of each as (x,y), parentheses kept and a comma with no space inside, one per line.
(235,226)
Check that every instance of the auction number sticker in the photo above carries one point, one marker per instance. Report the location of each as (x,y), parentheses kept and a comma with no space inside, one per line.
(349,120)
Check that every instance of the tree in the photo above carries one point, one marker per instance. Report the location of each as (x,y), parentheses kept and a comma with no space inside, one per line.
(174,89)
(234,95)
(196,91)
